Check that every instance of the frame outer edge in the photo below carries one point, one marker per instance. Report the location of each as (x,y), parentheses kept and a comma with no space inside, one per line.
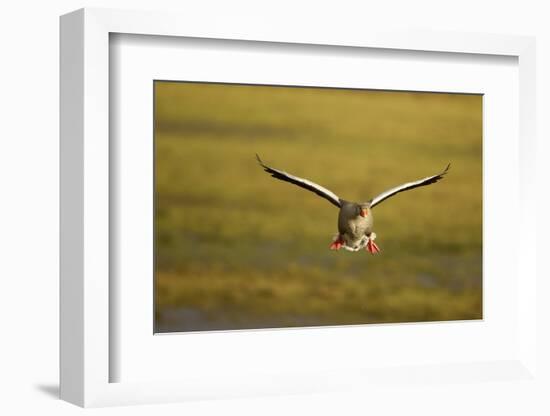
(95,196)
(71,221)
(528,196)
(141,22)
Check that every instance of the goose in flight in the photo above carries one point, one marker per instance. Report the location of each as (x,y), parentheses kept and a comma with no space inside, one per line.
(355,222)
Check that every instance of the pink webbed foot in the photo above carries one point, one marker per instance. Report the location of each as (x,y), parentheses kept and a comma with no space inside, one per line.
(337,243)
(372,247)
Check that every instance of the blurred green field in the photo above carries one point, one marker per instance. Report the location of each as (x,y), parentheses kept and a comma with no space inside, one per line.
(238,249)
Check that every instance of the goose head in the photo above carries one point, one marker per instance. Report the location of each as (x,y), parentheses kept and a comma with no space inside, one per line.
(362,209)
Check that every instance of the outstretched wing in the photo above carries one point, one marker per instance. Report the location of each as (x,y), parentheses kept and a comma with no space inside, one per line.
(410,185)
(302,183)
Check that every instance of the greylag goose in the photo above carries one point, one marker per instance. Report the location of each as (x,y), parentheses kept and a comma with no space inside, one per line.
(355,222)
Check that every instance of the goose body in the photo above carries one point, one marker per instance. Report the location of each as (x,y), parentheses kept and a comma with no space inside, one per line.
(354,229)
(355,219)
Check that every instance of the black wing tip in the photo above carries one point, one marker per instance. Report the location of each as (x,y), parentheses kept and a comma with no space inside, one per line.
(442,174)
(261,162)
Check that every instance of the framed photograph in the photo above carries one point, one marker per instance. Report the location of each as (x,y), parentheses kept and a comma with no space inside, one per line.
(275,212)
(234,250)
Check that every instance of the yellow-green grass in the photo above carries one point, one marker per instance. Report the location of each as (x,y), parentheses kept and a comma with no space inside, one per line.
(245,250)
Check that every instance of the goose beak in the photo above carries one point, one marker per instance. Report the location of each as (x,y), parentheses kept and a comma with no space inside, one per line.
(364,213)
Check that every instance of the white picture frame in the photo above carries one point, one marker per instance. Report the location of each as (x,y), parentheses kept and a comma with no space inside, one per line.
(86,292)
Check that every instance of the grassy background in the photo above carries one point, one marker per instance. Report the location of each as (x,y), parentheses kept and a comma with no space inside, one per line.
(238,249)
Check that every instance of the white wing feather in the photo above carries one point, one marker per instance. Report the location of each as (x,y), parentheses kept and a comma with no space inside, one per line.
(303,183)
(407,186)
